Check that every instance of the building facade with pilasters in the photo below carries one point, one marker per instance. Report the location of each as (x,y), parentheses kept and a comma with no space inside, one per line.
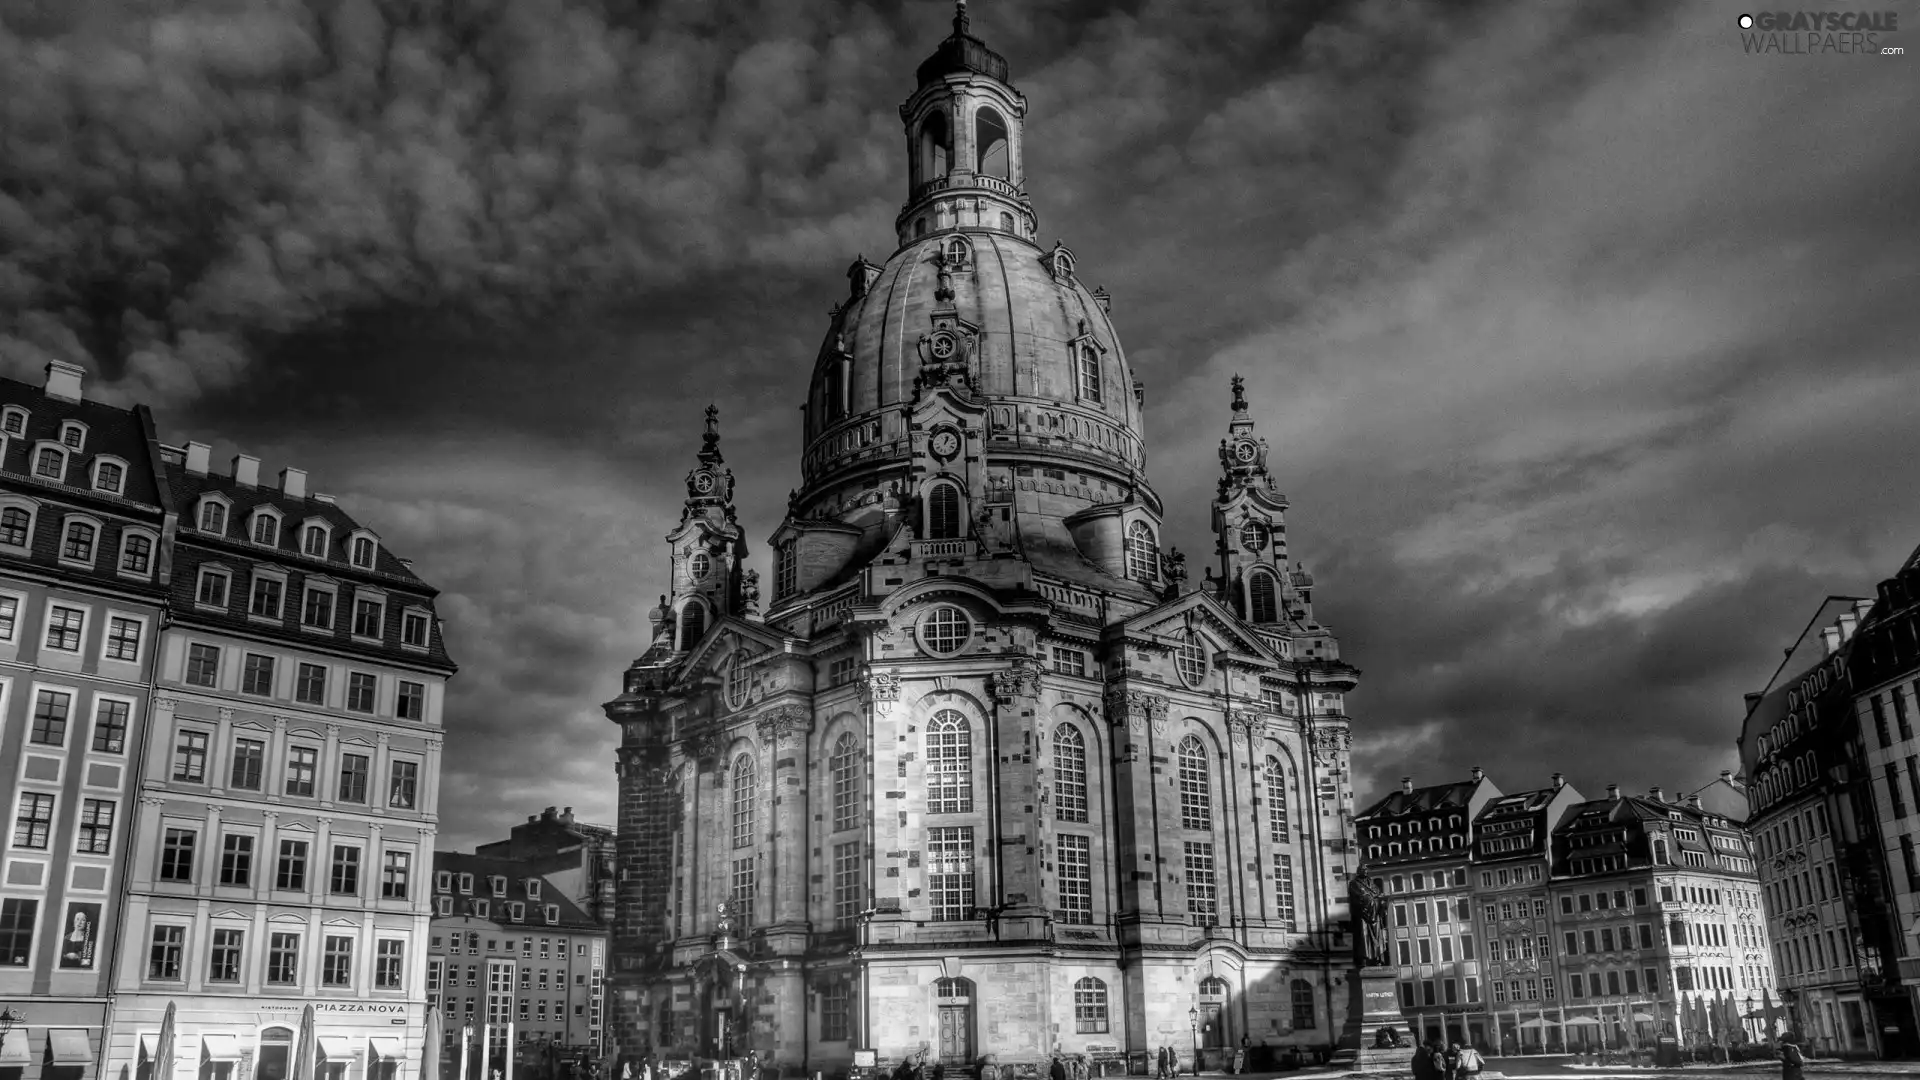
(288,800)
(989,777)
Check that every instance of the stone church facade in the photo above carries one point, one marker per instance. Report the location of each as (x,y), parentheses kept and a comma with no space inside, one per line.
(988,777)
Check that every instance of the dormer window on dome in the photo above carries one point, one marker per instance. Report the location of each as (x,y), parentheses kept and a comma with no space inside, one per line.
(1143,553)
(1089,374)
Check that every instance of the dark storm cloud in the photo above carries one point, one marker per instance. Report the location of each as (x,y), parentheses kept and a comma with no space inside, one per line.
(1583,341)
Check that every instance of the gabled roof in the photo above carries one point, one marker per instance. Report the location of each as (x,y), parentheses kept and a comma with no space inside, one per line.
(518,874)
(187,489)
(1173,615)
(126,434)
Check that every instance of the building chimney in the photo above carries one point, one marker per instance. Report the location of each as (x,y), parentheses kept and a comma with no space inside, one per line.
(293,483)
(1861,607)
(1753,698)
(1613,792)
(63,380)
(328,499)
(1849,622)
(198,456)
(1478,775)
(1406,784)
(1831,637)
(1657,793)
(1693,801)
(1559,781)
(567,815)
(246,470)
(533,819)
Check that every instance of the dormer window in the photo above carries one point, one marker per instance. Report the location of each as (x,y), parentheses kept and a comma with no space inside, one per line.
(109,476)
(266,528)
(481,908)
(466,883)
(73,435)
(1142,553)
(16,526)
(517,911)
(77,544)
(13,421)
(314,540)
(533,888)
(1087,374)
(213,517)
(446,908)
(498,884)
(553,914)
(443,881)
(50,463)
(413,629)
(365,549)
(136,553)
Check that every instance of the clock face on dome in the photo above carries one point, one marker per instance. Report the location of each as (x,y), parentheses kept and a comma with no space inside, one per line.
(945,443)
(1245,452)
(943,346)
(703,482)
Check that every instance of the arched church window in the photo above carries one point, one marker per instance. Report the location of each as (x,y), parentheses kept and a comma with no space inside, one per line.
(1090,1006)
(1276,777)
(693,623)
(1190,659)
(949,764)
(1089,374)
(943,512)
(1302,1005)
(742,790)
(990,140)
(1266,607)
(785,570)
(699,565)
(936,148)
(737,678)
(1143,555)
(1069,774)
(1196,786)
(844,769)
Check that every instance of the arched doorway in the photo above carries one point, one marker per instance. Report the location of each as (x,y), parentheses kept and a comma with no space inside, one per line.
(276,1054)
(954,1000)
(1215,1039)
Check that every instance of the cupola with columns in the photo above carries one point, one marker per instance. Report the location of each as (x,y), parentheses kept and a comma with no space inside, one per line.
(1250,527)
(708,550)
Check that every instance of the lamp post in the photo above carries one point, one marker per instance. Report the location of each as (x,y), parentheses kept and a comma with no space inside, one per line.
(466,1041)
(1193,1022)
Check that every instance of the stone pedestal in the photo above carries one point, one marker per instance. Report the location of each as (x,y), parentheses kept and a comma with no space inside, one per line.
(1381,1022)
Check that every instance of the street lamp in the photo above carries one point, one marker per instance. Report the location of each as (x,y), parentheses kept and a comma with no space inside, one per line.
(1193,1022)
(466,1042)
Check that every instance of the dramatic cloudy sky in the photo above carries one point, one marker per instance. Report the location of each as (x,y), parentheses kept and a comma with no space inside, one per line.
(1585,342)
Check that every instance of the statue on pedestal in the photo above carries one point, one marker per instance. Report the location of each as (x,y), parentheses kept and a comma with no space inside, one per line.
(1369,907)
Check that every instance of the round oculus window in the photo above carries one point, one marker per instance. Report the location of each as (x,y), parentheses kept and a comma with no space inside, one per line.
(945,630)
(1190,659)
(700,565)
(1253,536)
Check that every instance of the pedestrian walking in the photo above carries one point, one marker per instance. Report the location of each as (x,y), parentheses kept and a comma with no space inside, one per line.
(1791,1059)
(1450,1062)
(1470,1062)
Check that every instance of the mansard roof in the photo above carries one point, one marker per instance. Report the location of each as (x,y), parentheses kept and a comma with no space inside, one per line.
(1422,799)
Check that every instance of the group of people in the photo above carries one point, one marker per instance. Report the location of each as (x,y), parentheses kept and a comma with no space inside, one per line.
(1166,1063)
(1451,1061)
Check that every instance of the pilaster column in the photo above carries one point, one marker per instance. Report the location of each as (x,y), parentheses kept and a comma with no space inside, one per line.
(1016,699)
(784,733)
(881,695)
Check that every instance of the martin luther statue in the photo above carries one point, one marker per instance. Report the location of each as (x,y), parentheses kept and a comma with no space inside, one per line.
(1369,907)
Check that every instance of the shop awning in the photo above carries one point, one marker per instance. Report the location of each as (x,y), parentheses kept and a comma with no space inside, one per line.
(336,1048)
(13,1051)
(1582,1021)
(386,1049)
(220,1047)
(70,1046)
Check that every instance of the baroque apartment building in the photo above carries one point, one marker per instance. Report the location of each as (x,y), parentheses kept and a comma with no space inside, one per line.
(83,509)
(514,958)
(1806,744)
(989,777)
(1513,848)
(1885,687)
(290,778)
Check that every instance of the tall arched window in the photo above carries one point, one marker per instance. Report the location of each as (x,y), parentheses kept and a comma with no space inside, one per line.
(1090,1006)
(843,768)
(738,677)
(786,570)
(1266,606)
(693,623)
(936,148)
(1143,554)
(949,764)
(1089,374)
(742,781)
(1302,1005)
(990,141)
(943,512)
(1276,777)
(1069,774)
(1196,786)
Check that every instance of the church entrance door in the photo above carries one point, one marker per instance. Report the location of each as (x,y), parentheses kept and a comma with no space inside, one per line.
(955,1001)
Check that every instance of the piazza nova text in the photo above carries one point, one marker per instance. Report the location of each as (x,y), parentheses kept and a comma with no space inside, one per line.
(1807,32)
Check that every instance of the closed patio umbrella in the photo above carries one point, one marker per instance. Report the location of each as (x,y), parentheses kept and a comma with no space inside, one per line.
(163,1048)
(430,1048)
(303,1054)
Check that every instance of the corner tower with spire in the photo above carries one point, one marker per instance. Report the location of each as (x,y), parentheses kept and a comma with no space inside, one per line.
(989,779)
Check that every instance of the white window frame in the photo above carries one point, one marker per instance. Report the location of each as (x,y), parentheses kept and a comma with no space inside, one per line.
(79,445)
(67,522)
(93,473)
(153,553)
(33,460)
(216,570)
(378,596)
(126,738)
(145,643)
(353,541)
(13,636)
(200,513)
(253,525)
(32,508)
(426,618)
(8,413)
(326,537)
(325,585)
(46,623)
(257,574)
